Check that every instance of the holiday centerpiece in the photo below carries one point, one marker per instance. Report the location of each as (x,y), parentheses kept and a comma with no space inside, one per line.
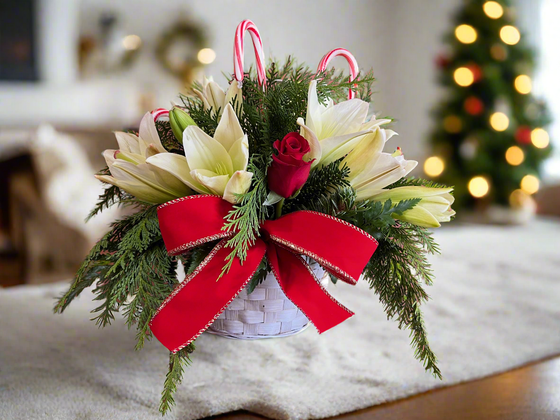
(263,194)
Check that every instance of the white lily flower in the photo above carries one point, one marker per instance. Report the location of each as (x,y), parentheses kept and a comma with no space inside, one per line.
(216,165)
(371,170)
(213,96)
(130,171)
(433,208)
(337,129)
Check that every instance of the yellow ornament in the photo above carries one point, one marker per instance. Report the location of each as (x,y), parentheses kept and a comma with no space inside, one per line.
(478,186)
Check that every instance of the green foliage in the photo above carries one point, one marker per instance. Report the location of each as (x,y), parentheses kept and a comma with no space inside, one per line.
(260,275)
(477,149)
(317,193)
(177,364)
(246,217)
(396,272)
(168,139)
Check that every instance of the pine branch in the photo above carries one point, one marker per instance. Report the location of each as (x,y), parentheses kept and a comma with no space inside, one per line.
(177,364)
(246,217)
(395,272)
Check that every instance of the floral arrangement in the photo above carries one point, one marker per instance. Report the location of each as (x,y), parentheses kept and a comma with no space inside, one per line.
(237,184)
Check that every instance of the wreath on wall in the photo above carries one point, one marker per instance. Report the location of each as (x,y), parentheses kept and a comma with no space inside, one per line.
(182,32)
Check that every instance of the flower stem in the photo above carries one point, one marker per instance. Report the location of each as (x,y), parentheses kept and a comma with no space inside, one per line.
(279,206)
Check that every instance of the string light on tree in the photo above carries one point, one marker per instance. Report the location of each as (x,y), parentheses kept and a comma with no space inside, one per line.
(523,84)
(530,184)
(452,124)
(434,166)
(499,121)
(463,76)
(515,156)
(493,9)
(510,35)
(478,187)
(540,138)
(465,34)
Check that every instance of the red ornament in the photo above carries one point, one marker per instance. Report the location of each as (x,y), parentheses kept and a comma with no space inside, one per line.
(473,105)
(442,61)
(476,71)
(288,171)
(523,134)
(343,250)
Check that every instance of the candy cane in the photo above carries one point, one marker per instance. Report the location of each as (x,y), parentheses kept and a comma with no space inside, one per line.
(354,69)
(238,52)
(160,113)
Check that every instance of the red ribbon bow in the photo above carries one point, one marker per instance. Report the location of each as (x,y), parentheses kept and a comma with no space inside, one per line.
(341,248)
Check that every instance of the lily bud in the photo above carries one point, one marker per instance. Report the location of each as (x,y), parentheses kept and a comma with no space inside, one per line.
(434,206)
(179,120)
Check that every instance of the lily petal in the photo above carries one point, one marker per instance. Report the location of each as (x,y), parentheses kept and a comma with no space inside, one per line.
(420,217)
(148,132)
(128,142)
(239,183)
(343,118)
(177,166)
(239,153)
(315,150)
(229,130)
(215,183)
(204,152)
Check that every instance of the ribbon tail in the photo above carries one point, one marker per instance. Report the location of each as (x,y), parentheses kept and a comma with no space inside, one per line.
(306,292)
(196,303)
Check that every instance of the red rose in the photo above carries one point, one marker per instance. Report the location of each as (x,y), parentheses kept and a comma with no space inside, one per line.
(289,171)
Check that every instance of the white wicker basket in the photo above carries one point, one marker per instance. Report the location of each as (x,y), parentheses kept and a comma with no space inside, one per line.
(265,313)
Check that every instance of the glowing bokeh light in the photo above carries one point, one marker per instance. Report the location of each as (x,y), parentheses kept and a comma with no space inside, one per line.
(466,34)
(206,55)
(463,76)
(540,138)
(530,184)
(493,9)
(510,35)
(478,186)
(523,84)
(515,156)
(434,166)
(499,121)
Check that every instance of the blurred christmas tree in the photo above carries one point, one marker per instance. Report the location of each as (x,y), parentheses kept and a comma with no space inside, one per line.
(489,140)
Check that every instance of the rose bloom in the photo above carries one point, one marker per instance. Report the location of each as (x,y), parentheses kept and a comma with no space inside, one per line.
(289,170)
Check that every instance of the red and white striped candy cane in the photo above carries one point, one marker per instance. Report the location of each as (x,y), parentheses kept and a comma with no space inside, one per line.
(160,113)
(238,52)
(352,63)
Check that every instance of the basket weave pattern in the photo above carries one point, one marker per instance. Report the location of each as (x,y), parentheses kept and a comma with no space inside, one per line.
(266,312)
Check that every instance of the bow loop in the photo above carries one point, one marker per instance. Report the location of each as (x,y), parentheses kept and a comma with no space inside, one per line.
(191,221)
(341,248)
